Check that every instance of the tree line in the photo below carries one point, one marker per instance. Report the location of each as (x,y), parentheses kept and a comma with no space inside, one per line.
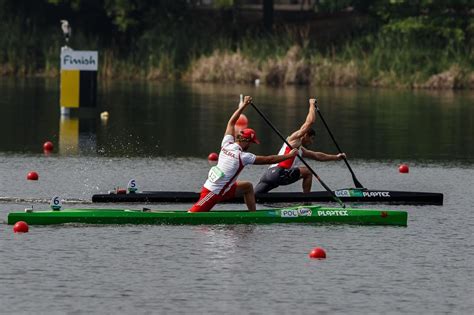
(171,34)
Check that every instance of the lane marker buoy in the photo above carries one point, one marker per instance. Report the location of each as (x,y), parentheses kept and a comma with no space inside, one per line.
(20,227)
(32,176)
(104,115)
(213,156)
(403,168)
(317,253)
(48,146)
(242,122)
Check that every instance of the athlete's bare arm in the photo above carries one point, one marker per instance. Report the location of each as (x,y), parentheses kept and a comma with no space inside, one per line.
(230,130)
(270,159)
(306,126)
(320,156)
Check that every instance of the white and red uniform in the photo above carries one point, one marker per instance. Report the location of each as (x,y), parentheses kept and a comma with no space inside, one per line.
(231,162)
(288,163)
(279,174)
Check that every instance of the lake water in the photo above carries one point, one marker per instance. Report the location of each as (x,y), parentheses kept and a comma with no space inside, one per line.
(161,134)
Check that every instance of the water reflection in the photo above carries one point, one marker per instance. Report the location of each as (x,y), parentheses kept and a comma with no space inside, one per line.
(77,135)
(221,242)
(188,120)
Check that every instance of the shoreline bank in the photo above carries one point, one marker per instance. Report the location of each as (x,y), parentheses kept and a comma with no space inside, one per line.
(294,68)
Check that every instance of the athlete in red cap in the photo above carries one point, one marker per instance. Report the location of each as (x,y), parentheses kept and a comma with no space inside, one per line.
(290,171)
(221,183)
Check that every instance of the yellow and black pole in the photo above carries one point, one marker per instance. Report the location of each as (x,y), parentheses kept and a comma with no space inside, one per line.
(78,100)
(78,87)
(68,135)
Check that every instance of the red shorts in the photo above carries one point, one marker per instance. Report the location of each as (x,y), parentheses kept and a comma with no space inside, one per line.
(208,199)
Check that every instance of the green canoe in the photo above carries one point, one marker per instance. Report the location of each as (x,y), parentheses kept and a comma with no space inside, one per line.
(300,214)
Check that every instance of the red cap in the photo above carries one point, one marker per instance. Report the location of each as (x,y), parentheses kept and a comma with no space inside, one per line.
(250,135)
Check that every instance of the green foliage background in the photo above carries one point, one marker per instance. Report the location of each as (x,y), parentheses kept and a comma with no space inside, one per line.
(401,42)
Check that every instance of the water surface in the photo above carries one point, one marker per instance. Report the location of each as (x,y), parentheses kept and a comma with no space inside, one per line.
(161,135)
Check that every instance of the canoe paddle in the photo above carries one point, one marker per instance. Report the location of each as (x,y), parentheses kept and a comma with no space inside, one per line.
(356,182)
(299,156)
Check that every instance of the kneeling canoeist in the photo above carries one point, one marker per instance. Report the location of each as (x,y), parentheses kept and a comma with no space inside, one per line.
(289,171)
(222,183)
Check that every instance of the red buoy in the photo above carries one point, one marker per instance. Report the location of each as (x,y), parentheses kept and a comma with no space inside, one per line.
(48,146)
(317,253)
(20,227)
(213,156)
(32,176)
(242,122)
(403,168)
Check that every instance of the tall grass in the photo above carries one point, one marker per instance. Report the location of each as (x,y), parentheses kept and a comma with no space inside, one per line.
(290,56)
(396,61)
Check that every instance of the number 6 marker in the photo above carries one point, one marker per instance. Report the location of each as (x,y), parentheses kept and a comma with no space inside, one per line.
(56,203)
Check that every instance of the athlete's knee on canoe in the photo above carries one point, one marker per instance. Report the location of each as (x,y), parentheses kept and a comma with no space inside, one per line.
(305,172)
(244,187)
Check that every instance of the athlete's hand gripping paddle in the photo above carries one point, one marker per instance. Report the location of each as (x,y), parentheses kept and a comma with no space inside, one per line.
(354,179)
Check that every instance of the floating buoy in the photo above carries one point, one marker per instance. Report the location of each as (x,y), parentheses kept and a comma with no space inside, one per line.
(104,115)
(48,146)
(242,122)
(403,168)
(213,157)
(20,227)
(317,253)
(32,176)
